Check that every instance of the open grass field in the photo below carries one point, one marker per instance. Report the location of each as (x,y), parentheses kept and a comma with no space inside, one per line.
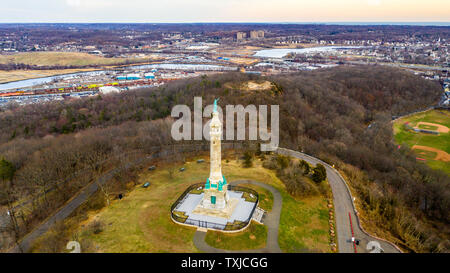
(246,51)
(51,59)
(141,222)
(304,224)
(59,58)
(18,75)
(432,149)
(254,237)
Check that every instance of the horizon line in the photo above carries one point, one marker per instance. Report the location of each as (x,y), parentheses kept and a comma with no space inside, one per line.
(424,23)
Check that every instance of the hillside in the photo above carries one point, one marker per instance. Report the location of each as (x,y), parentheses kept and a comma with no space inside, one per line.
(324,113)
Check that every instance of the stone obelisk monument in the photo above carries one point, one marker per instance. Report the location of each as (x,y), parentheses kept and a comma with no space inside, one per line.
(215,199)
(215,193)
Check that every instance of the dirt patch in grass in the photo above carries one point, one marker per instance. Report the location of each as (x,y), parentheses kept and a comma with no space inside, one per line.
(250,86)
(432,127)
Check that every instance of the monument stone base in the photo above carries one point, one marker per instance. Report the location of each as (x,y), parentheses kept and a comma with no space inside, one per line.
(226,212)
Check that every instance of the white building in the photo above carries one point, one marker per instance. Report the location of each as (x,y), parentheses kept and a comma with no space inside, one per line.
(108,89)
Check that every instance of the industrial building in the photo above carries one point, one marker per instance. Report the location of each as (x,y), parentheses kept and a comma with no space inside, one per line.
(149,76)
(133,77)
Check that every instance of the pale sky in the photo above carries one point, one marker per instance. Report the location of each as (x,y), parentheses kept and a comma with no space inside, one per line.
(174,11)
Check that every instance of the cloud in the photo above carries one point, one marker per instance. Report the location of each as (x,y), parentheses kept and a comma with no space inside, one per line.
(94,3)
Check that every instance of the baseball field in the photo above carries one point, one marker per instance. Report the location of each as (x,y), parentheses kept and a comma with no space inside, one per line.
(427,133)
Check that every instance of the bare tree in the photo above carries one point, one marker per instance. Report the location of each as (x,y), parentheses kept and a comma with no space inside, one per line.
(7,172)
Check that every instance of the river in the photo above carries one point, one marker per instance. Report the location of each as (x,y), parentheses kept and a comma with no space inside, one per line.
(169,66)
(281,52)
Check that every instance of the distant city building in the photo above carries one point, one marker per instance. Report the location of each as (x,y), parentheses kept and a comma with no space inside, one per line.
(241,35)
(256,34)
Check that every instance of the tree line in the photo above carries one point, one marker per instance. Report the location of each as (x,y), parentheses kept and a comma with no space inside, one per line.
(324,113)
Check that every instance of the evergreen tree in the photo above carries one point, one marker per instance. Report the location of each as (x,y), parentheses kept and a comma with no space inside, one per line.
(319,173)
(248,159)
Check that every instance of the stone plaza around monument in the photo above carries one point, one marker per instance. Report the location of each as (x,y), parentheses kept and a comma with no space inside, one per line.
(242,211)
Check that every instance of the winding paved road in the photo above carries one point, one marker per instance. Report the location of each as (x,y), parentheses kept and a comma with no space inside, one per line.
(272,221)
(343,206)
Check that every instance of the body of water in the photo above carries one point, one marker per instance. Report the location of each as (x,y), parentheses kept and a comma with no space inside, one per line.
(281,52)
(44,80)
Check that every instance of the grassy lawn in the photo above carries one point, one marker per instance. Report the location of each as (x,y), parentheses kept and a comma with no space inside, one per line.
(140,222)
(410,138)
(53,58)
(254,237)
(59,58)
(18,75)
(304,225)
(425,154)
(265,196)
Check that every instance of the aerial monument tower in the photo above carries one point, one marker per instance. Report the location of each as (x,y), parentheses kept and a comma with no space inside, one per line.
(215,192)
(215,204)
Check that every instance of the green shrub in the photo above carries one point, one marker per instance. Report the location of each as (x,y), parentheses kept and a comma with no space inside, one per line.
(248,159)
(96,227)
(319,173)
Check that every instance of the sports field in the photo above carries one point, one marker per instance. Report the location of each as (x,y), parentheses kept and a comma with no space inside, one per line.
(428,135)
